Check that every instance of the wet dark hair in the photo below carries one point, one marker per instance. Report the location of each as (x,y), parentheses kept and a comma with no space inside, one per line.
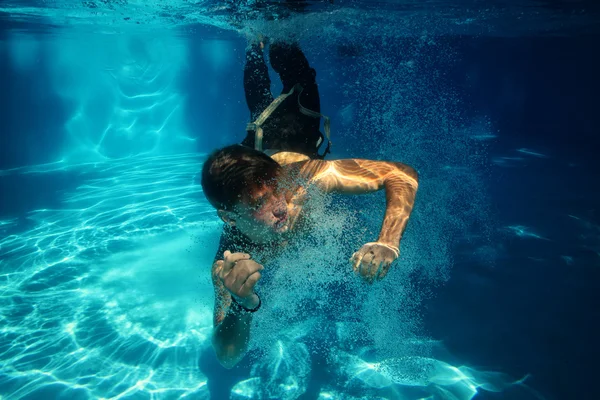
(231,173)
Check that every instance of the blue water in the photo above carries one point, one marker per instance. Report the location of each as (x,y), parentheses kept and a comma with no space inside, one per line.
(108,109)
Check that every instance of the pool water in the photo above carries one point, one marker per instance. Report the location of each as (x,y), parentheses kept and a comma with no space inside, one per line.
(108,110)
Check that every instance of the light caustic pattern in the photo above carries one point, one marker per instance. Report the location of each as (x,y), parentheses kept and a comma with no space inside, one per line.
(285,368)
(126,92)
(104,297)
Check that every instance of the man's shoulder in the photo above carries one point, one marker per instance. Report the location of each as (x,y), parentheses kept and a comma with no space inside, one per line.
(286,158)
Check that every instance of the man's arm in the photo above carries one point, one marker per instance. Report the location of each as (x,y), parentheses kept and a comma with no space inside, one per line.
(232,326)
(356,176)
(232,329)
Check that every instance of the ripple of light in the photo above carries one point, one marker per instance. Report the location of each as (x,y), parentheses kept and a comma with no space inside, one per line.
(126,95)
(104,296)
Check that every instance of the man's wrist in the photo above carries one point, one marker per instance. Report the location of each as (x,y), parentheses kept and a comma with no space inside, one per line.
(250,302)
(390,242)
(391,246)
(245,305)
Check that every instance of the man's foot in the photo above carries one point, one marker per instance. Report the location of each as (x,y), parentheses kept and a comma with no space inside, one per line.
(262,39)
(255,38)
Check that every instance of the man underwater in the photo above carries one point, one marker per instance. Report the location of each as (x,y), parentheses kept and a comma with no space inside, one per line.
(262,198)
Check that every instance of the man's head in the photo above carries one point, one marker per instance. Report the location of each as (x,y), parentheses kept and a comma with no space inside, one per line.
(242,184)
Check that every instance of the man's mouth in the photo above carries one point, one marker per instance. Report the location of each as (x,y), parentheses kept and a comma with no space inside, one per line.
(281,222)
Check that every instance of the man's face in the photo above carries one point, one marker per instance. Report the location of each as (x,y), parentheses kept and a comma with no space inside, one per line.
(262,215)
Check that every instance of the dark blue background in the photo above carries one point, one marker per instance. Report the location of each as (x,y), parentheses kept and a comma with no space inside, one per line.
(533,313)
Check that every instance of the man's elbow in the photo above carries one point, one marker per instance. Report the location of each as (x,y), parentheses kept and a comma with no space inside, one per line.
(228,355)
(413,173)
(226,360)
(410,172)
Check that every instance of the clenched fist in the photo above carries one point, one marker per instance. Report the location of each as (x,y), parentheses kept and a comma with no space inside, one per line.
(373,260)
(239,275)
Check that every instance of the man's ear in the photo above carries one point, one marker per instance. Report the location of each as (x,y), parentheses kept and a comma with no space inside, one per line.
(227,216)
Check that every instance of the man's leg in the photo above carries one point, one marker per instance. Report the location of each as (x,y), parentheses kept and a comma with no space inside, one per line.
(292,66)
(257,85)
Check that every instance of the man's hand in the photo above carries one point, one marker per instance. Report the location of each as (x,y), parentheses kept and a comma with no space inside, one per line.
(239,275)
(373,260)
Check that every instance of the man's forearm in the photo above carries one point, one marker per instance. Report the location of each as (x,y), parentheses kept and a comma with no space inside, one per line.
(231,337)
(400,197)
